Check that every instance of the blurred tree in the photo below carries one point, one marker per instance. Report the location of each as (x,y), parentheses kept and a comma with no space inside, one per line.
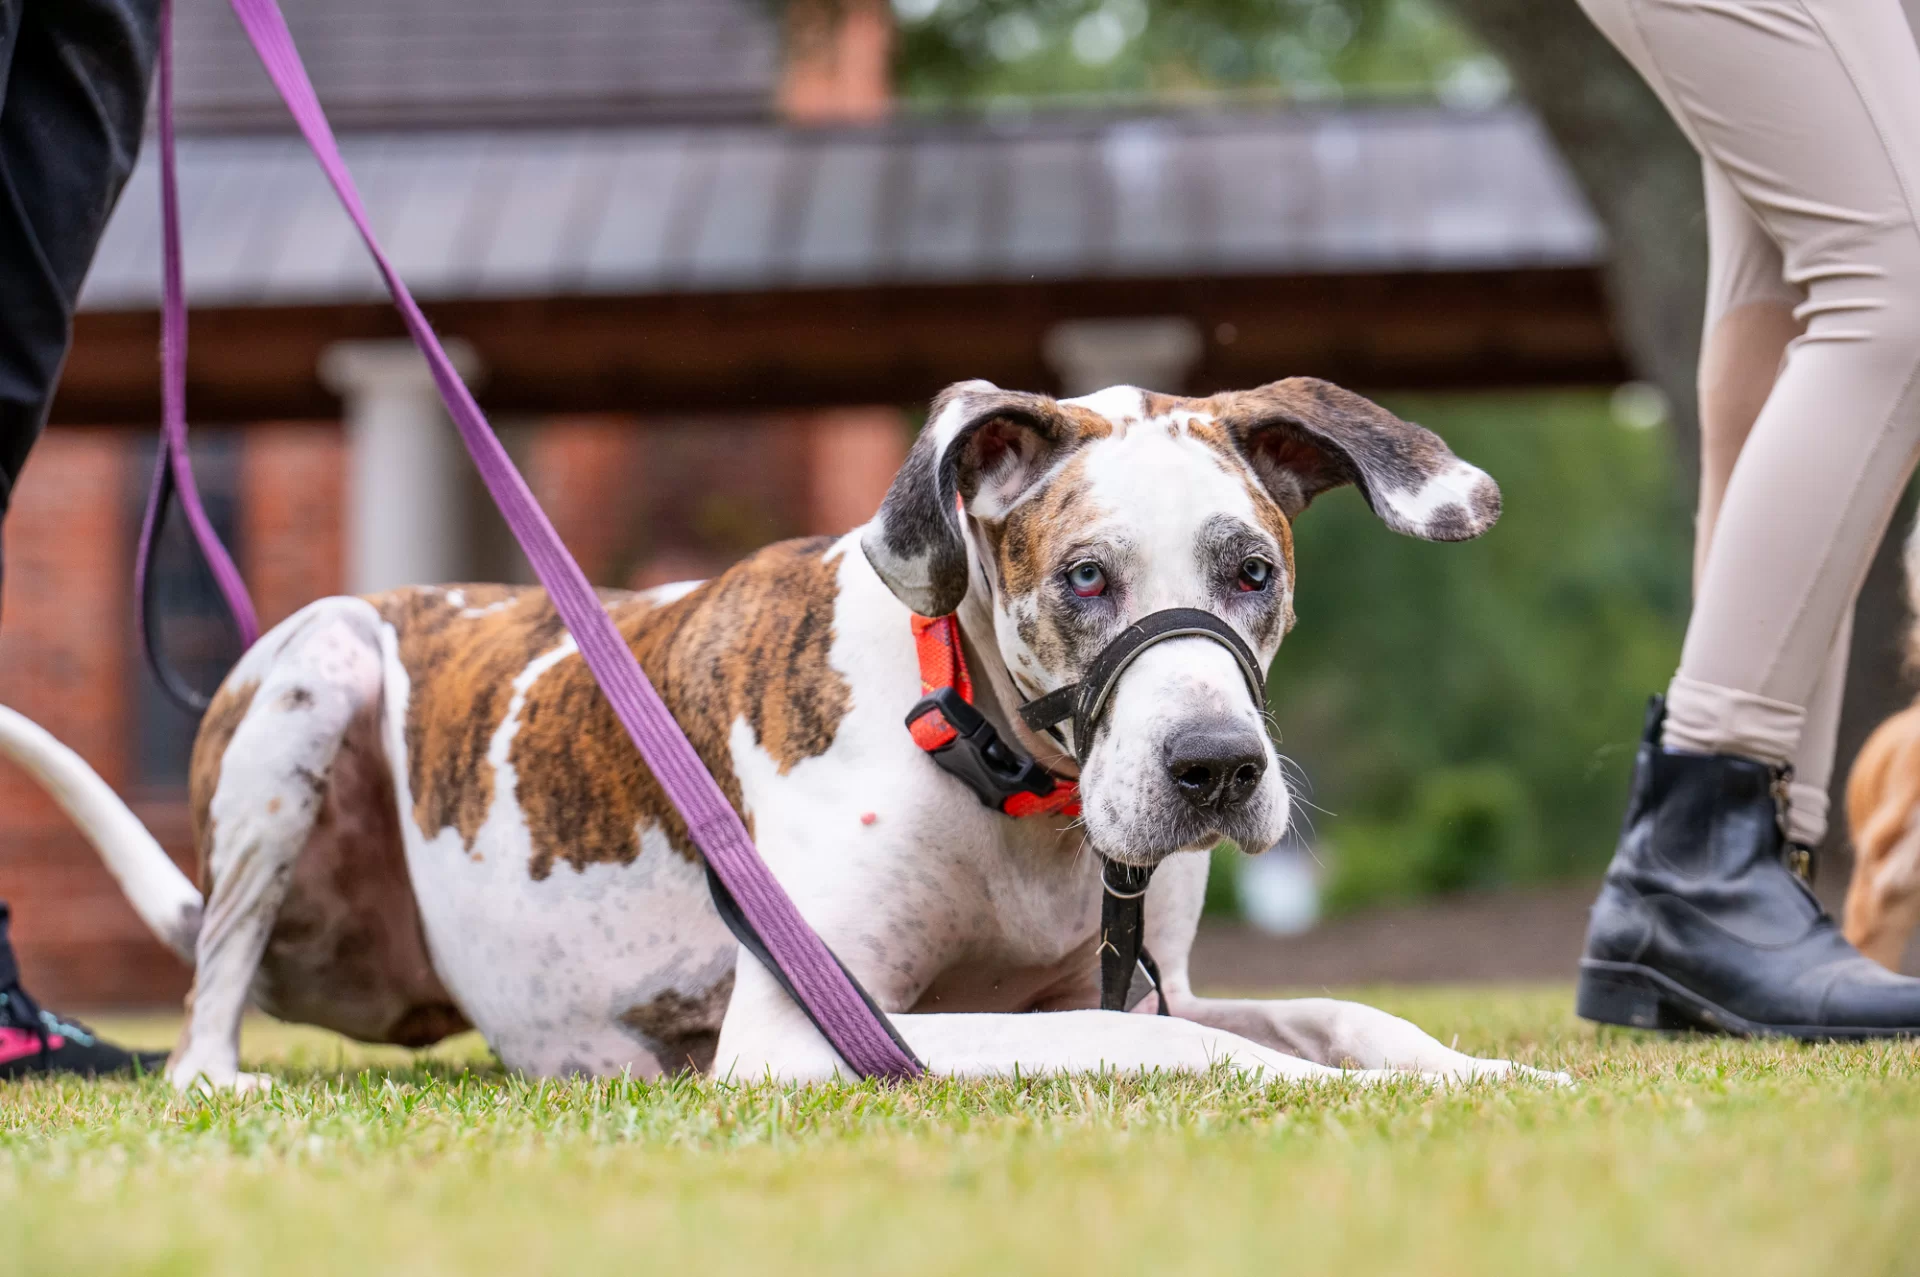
(966,51)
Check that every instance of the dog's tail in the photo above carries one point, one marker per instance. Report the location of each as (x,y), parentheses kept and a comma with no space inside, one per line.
(163,897)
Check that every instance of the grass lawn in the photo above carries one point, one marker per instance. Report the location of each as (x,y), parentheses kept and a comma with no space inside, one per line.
(1671,1155)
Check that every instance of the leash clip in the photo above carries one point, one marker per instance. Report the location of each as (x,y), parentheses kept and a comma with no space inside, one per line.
(993,770)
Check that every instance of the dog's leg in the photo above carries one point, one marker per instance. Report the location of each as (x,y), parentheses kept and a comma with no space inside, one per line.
(766,1036)
(1324,1030)
(272,782)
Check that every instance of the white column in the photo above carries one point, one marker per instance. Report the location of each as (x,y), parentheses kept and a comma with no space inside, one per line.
(1153,354)
(407,475)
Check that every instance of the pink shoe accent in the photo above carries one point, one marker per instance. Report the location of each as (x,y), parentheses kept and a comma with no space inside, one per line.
(16,1043)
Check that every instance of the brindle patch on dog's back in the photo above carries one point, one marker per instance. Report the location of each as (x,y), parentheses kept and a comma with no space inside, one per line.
(751,644)
(461,647)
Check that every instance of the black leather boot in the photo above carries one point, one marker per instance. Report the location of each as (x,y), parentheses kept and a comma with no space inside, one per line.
(1701,924)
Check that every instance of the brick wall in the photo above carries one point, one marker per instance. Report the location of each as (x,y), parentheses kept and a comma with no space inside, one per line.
(293,488)
(67,661)
(64,662)
(583,470)
(852,455)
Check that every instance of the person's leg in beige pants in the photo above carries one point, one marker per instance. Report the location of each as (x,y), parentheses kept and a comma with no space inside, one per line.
(1749,322)
(1809,111)
(1807,117)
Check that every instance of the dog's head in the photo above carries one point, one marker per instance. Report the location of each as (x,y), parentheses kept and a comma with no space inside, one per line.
(1064,521)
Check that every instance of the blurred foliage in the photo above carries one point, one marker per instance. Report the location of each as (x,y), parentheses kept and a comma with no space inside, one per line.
(1466,713)
(1222,899)
(965,51)
(1466,827)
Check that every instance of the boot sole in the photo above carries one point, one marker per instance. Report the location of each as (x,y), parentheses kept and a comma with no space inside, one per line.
(1638,997)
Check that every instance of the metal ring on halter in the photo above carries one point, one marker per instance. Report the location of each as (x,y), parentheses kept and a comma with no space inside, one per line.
(1134,879)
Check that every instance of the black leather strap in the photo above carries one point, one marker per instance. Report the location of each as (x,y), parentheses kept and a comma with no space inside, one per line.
(1086,700)
(1123,952)
(172,682)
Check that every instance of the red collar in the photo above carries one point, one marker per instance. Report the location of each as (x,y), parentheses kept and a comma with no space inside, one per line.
(972,750)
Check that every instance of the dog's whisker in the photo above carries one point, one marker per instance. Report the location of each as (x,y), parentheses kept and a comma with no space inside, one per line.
(1311,805)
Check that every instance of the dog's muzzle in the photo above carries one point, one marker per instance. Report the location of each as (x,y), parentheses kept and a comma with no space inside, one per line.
(965,745)
(1085,701)
(1124,887)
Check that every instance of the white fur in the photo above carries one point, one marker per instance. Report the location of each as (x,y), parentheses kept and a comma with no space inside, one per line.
(161,894)
(1454,486)
(661,595)
(1115,403)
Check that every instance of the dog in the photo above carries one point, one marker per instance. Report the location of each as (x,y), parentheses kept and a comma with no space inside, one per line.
(1883,814)
(415,812)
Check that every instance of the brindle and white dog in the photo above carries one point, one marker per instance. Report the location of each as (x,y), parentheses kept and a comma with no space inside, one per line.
(416,813)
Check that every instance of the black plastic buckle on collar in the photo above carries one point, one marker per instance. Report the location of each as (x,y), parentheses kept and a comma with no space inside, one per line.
(991,768)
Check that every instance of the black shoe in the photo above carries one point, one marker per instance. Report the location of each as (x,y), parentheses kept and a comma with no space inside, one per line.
(1702,923)
(35,1041)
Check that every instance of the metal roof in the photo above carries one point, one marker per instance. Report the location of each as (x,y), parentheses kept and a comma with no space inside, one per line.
(411,63)
(482,215)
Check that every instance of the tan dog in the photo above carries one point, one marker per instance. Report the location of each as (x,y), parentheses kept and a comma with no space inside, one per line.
(415,812)
(1883,797)
(1883,815)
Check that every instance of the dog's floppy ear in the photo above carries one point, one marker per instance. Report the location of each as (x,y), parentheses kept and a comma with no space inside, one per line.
(981,445)
(1303,436)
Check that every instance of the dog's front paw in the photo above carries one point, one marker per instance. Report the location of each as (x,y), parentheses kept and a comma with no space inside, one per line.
(188,1078)
(1470,1070)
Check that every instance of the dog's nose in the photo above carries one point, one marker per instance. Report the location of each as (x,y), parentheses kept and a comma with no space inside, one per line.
(1216,768)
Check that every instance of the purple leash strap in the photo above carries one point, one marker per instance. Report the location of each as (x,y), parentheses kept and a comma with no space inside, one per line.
(800,960)
(172,467)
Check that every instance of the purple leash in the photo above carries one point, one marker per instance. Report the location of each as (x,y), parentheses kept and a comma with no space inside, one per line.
(745,888)
(172,467)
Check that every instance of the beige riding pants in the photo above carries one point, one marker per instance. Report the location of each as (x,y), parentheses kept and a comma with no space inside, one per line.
(1806,114)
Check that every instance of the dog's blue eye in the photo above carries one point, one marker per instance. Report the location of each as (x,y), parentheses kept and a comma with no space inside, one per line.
(1254,575)
(1087,579)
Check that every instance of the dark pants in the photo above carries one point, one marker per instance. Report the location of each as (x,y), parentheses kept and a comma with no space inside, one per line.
(73,95)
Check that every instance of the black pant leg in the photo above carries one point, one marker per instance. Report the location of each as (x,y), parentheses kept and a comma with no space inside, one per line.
(75,82)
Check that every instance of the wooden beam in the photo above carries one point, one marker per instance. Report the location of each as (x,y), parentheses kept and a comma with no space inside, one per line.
(727,352)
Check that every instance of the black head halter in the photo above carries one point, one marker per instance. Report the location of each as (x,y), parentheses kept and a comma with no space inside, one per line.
(1124,887)
(1086,700)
